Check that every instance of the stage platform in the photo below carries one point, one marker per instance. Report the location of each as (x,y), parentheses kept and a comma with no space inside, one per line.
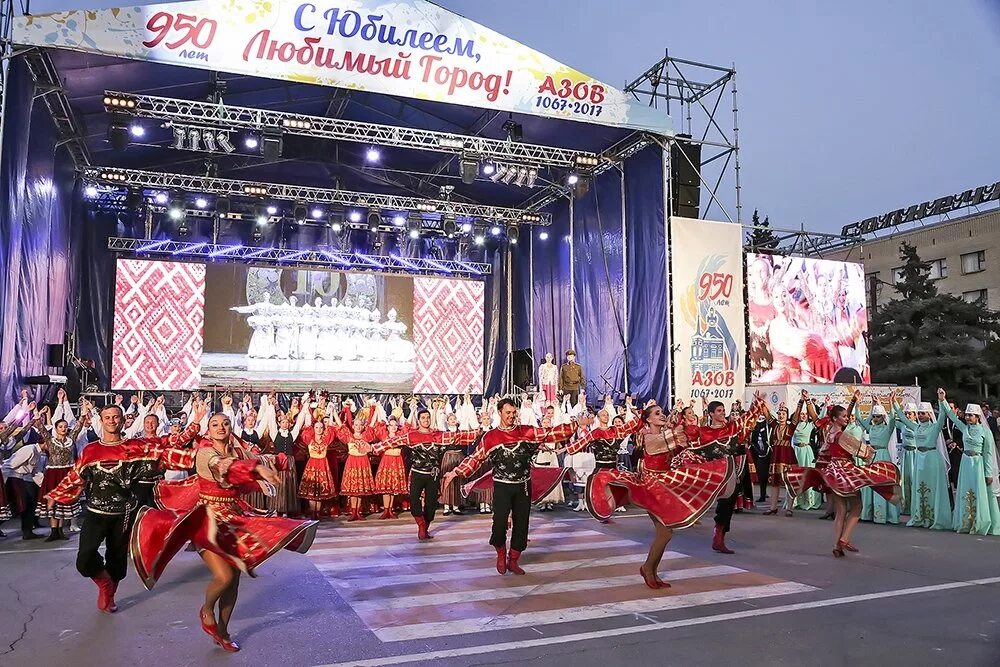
(301,375)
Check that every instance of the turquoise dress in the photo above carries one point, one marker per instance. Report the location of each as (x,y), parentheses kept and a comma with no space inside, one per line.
(930,506)
(976,510)
(906,466)
(811,499)
(873,506)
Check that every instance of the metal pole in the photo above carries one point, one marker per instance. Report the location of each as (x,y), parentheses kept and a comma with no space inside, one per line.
(666,260)
(624,277)
(6,21)
(572,277)
(736,149)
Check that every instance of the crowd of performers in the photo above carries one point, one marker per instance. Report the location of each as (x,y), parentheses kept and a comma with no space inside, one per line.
(256,477)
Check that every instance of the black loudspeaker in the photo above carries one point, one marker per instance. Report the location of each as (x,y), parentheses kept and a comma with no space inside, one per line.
(521,370)
(685,184)
(56,356)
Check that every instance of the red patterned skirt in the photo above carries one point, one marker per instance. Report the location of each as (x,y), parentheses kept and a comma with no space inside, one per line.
(245,541)
(357,481)
(843,478)
(782,457)
(390,480)
(544,480)
(317,481)
(676,498)
(60,511)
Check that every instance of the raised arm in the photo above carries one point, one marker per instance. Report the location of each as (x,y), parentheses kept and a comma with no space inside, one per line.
(613,433)
(470,465)
(901,416)
(950,414)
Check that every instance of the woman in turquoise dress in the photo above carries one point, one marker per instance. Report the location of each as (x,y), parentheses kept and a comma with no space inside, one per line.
(930,506)
(976,510)
(881,428)
(804,454)
(907,457)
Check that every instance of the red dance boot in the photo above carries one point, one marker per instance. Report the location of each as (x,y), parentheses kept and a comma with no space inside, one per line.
(422,528)
(104,594)
(112,607)
(385,515)
(719,541)
(354,515)
(501,560)
(512,562)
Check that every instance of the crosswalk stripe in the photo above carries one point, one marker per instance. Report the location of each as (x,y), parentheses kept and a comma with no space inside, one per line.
(522,591)
(582,613)
(390,560)
(414,548)
(370,581)
(342,538)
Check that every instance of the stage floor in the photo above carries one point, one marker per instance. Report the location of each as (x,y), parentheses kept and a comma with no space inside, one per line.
(236,370)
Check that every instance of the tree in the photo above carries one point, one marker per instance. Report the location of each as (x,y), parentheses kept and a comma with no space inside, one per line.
(760,238)
(937,339)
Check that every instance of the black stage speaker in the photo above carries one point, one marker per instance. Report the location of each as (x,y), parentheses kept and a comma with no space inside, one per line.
(56,356)
(521,367)
(685,185)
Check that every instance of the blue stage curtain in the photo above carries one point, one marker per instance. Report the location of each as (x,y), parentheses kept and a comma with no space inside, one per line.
(551,297)
(598,285)
(495,306)
(647,298)
(95,321)
(37,266)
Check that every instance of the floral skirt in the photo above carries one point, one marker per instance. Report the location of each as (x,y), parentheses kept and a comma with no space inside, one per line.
(357,481)
(390,480)
(843,478)
(317,482)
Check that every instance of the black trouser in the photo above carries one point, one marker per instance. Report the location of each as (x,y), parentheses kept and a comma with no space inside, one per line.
(763,465)
(724,511)
(27,495)
(143,494)
(574,395)
(510,499)
(428,484)
(107,528)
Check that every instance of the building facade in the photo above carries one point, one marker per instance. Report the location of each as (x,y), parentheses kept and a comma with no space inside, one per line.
(964,255)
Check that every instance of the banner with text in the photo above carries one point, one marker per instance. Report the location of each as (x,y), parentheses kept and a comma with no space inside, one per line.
(707,310)
(410,48)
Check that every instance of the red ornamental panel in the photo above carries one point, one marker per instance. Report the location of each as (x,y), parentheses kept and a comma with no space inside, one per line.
(448,336)
(159,322)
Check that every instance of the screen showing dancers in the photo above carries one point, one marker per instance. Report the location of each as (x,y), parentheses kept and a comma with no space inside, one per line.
(808,320)
(183,326)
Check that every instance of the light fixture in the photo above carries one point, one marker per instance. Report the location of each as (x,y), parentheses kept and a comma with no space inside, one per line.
(119,134)
(336,227)
(426,206)
(522,177)
(497,172)
(374,220)
(399,220)
(201,202)
(449,226)
(414,228)
(488,169)
(317,213)
(532,177)
(512,233)
(466,227)
(479,232)
(112,176)
(543,236)
(372,154)
(513,129)
(119,102)
(176,214)
(354,216)
(256,190)
(177,207)
(531,217)
(572,179)
(90,192)
(261,220)
(251,142)
(299,213)
(274,144)
(414,233)
(272,210)
(137,130)
(224,141)
(451,142)
(469,169)
(222,206)
(296,123)
(495,230)
(509,175)
(161,198)
(586,160)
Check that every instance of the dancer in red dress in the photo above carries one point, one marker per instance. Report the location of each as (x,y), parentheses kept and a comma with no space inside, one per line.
(206,509)
(357,481)
(842,478)
(782,452)
(391,479)
(318,481)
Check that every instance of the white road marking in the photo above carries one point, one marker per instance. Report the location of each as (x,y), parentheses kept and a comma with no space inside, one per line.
(654,627)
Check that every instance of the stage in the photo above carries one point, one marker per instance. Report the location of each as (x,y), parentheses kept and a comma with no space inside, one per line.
(296,375)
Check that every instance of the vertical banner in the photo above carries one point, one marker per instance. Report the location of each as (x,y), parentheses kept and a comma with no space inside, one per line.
(708,309)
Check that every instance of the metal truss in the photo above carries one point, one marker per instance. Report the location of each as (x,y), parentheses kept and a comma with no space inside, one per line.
(693,92)
(327,259)
(800,242)
(296,193)
(48,87)
(232,117)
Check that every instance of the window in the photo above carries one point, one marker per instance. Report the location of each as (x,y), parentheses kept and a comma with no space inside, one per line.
(897,275)
(974,262)
(939,269)
(975,295)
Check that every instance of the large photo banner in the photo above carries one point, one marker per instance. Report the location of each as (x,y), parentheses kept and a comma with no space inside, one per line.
(840,394)
(707,310)
(410,48)
(808,320)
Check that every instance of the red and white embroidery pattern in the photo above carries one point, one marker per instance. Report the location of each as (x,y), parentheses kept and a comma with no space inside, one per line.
(159,322)
(448,336)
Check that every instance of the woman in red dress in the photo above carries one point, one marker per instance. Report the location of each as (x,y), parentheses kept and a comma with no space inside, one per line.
(842,478)
(357,481)
(391,479)
(207,510)
(675,485)
(782,452)
(318,482)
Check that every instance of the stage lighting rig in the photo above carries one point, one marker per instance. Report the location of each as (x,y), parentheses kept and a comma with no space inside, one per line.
(116,101)
(531,218)
(512,233)
(413,227)
(374,220)
(426,207)
(119,134)
(469,168)
(513,129)
(274,144)
(178,207)
(498,172)
(522,177)
(255,190)
(586,161)
(449,228)
(479,232)
(299,213)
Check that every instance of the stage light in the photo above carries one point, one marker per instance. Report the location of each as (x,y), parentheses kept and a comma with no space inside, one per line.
(224,141)
(426,206)
(543,236)
(90,192)
(354,216)
(399,220)
(479,232)
(488,169)
(182,228)
(251,142)
(372,155)
(274,144)
(296,123)
(449,226)
(317,213)
(256,237)
(261,220)
(513,129)
(201,202)
(272,210)
(138,130)
(414,233)
(495,230)
(176,214)
(374,220)
(177,207)
(222,206)
(161,198)
(466,227)
(479,240)
(509,175)
(299,213)
(469,169)
(449,142)
(498,173)
(531,217)
(119,134)
(113,176)
(572,179)
(512,233)
(586,160)
(522,176)
(112,102)
(255,190)
(532,177)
